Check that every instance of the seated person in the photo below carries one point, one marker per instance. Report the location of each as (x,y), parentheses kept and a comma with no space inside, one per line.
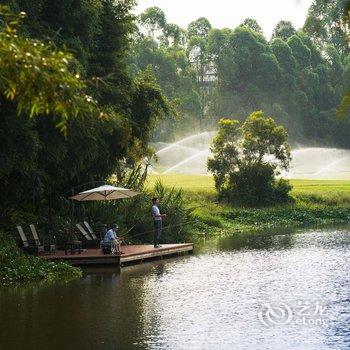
(112,239)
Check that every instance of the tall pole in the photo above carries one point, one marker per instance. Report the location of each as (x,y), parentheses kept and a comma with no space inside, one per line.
(72,218)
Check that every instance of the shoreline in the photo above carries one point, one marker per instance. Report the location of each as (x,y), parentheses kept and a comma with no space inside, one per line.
(314,203)
(222,219)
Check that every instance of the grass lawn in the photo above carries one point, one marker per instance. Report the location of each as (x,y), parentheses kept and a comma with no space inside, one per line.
(315,202)
(206,183)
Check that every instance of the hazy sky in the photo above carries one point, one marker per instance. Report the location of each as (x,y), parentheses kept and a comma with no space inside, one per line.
(230,13)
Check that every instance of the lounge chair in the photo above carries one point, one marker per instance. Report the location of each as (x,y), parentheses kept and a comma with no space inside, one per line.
(49,247)
(91,231)
(27,246)
(89,241)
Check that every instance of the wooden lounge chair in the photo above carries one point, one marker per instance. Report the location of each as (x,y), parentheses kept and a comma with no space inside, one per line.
(91,231)
(89,241)
(27,246)
(49,247)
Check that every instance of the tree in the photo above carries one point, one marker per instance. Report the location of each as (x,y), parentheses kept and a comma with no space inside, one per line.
(246,68)
(176,77)
(252,24)
(232,72)
(344,108)
(107,64)
(301,52)
(58,21)
(39,161)
(199,56)
(103,35)
(173,35)
(283,30)
(39,78)
(326,24)
(200,27)
(284,55)
(247,160)
(153,19)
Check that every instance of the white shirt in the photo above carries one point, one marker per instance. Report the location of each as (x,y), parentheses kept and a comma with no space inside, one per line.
(110,236)
(156,213)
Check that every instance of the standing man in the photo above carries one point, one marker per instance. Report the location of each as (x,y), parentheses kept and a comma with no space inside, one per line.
(157,219)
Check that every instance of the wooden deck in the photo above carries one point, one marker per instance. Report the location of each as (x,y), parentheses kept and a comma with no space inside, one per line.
(133,254)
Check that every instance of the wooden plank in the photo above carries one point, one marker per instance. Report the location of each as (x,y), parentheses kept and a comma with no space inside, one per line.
(88,260)
(92,261)
(153,254)
(133,253)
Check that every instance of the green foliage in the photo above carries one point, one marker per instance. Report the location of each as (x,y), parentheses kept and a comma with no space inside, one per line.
(344,108)
(173,71)
(203,73)
(199,27)
(252,24)
(283,30)
(149,105)
(314,202)
(230,73)
(173,35)
(284,216)
(37,77)
(255,184)
(16,267)
(262,137)
(247,159)
(134,216)
(153,19)
(39,163)
(326,23)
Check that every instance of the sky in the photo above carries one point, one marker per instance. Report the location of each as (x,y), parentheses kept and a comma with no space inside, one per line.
(230,13)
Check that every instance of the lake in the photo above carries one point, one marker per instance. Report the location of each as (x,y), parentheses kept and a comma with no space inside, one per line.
(273,290)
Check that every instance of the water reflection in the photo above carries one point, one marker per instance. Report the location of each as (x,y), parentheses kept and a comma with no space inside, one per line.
(259,240)
(207,301)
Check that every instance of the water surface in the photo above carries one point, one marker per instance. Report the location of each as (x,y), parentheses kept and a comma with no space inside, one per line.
(289,290)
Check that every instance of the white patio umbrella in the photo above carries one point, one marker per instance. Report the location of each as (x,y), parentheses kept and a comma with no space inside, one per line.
(104,193)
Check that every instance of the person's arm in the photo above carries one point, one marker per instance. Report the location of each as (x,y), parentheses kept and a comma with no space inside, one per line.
(161,215)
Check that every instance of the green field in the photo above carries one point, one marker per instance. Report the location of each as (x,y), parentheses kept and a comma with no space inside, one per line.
(315,202)
(206,183)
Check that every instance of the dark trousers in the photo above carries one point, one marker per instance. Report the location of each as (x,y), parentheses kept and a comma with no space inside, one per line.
(157,231)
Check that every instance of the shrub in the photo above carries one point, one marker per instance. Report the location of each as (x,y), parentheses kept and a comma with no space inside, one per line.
(255,184)
(16,267)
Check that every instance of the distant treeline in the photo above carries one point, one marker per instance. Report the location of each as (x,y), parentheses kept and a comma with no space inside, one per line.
(298,76)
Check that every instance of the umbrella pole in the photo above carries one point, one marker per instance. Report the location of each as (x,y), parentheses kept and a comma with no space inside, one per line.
(72,219)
